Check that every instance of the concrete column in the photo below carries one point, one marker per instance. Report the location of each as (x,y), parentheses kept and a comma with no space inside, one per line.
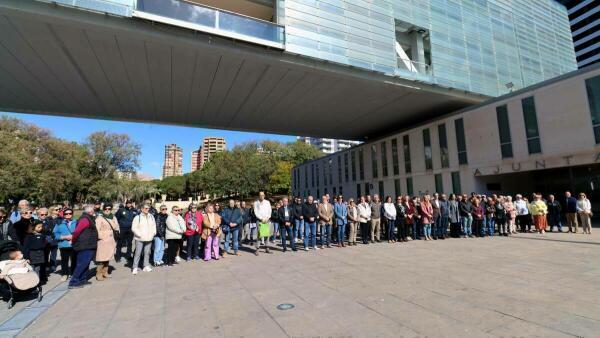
(417,49)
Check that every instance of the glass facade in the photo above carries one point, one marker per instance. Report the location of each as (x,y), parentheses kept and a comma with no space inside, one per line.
(456,182)
(531,126)
(406,148)
(593,92)
(427,149)
(479,46)
(443,139)
(504,132)
(461,143)
(439,183)
(395,160)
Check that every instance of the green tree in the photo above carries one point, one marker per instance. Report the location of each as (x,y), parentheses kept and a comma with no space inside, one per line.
(110,154)
(173,186)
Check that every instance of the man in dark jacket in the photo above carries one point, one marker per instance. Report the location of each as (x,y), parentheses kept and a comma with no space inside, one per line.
(465,208)
(298,219)
(19,229)
(570,209)
(231,221)
(85,242)
(310,214)
(125,217)
(286,220)
(554,209)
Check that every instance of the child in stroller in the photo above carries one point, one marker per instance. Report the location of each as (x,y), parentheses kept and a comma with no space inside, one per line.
(16,274)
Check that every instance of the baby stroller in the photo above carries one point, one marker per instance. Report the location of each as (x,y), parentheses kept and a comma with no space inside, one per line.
(16,275)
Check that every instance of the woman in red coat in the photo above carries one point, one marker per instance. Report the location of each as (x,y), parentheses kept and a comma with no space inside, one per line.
(193,222)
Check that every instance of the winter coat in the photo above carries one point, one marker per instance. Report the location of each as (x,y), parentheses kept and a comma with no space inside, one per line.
(175,227)
(125,217)
(216,228)
(193,227)
(65,228)
(161,225)
(144,227)
(106,240)
(33,248)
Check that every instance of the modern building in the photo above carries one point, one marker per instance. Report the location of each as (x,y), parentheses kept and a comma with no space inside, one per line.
(173,163)
(544,138)
(328,145)
(196,159)
(211,146)
(321,68)
(584,16)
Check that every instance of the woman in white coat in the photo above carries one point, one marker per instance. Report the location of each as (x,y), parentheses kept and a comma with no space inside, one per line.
(144,229)
(173,234)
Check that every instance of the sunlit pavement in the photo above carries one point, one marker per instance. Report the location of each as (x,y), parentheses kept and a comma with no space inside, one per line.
(526,285)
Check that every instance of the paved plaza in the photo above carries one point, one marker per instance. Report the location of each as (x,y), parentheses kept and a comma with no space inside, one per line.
(524,286)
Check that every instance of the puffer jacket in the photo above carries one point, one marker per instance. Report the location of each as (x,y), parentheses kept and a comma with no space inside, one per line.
(161,225)
(143,227)
(175,227)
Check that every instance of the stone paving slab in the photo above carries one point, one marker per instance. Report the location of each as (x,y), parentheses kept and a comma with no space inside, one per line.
(526,286)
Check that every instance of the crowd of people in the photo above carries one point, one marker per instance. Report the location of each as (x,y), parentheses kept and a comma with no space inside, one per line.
(156,237)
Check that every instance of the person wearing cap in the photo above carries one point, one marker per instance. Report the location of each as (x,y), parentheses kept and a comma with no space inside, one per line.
(106,225)
(125,218)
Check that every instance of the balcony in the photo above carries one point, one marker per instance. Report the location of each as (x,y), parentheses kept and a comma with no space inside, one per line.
(211,20)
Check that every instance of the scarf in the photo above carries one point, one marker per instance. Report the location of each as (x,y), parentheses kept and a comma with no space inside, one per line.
(109,216)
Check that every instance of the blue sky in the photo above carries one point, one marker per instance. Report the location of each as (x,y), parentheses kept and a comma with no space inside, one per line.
(152,137)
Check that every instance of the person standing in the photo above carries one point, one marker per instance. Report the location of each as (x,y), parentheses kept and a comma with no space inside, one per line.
(106,225)
(444,216)
(144,229)
(584,209)
(245,230)
(511,215)
(454,216)
(571,212)
(500,216)
(211,233)
(275,222)
(364,218)
(286,215)
(554,210)
(5,224)
(231,219)
(34,249)
(310,213)
(15,216)
(490,218)
(159,238)
(125,218)
(173,233)
(340,210)
(49,222)
(401,230)
(539,211)
(352,222)
(263,212)
(63,233)
(325,218)
(193,221)
(19,229)
(465,208)
(409,217)
(426,217)
(298,220)
(436,221)
(390,214)
(375,219)
(523,216)
(478,213)
(85,242)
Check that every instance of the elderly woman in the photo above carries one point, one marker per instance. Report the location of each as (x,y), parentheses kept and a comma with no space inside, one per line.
(211,233)
(500,214)
(389,212)
(193,221)
(426,217)
(539,210)
(352,222)
(511,214)
(144,229)
(63,233)
(584,210)
(106,224)
(173,234)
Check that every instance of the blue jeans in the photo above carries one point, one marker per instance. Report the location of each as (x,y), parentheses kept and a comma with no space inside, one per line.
(84,257)
(159,249)
(435,226)
(390,229)
(298,228)
(310,231)
(467,222)
(427,230)
(287,233)
(415,233)
(341,233)
(491,225)
(235,233)
(325,234)
(275,229)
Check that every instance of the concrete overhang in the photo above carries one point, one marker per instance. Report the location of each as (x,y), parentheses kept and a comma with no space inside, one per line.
(69,62)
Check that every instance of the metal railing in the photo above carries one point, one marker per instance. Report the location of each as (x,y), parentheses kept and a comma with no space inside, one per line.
(407,65)
(211,20)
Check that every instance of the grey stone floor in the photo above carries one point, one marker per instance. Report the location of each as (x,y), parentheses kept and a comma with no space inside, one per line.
(524,286)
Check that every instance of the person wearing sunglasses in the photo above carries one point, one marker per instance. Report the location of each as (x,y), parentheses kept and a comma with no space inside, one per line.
(125,218)
(106,224)
(19,229)
(144,229)
(159,238)
(63,233)
(173,233)
(193,221)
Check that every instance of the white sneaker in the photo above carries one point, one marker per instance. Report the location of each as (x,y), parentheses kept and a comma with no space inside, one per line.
(177,259)
(147,269)
(305,249)
(134,271)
